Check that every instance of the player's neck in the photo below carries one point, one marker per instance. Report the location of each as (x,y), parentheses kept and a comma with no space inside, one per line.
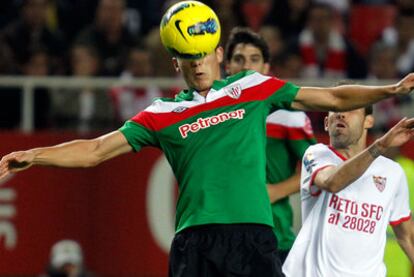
(204,93)
(350,151)
(353,149)
(217,77)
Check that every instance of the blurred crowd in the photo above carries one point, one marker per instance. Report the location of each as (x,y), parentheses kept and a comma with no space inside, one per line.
(336,39)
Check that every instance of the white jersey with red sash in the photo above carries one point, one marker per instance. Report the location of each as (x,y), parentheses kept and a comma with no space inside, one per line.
(344,233)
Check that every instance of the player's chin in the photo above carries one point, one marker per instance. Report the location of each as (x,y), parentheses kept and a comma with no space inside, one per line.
(203,85)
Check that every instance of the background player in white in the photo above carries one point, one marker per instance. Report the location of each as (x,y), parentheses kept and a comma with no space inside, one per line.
(349,195)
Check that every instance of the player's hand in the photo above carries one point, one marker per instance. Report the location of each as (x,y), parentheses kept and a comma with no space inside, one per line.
(14,162)
(406,85)
(401,133)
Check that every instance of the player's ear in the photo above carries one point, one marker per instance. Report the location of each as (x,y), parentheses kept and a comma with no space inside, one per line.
(325,123)
(219,54)
(175,64)
(369,121)
(266,68)
(227,67)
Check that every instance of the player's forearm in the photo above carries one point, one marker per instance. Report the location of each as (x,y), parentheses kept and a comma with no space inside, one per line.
(337,178)
(77,153)
(283,189)
(408,247)
(355,96)
(341,98)
(406,241)
(405,237)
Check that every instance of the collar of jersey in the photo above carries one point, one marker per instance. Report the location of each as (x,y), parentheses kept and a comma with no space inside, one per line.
(188,94)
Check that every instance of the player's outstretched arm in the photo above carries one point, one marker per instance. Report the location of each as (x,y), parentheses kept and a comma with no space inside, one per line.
(336,178)
(348,97)
(405,237)
(76,153)
(284,188)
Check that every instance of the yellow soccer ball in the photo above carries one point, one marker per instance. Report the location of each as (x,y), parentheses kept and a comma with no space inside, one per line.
(190,30)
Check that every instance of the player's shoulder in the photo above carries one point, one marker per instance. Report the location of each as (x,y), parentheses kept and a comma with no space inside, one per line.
(288,118)
(384,160)
(388,164)
(181,102)
(250,78)
(316,150)
(322,151)
(245,78)
(318,147)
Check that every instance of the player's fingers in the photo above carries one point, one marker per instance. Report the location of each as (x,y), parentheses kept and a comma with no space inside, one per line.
(398,128)
(13,160)
(4,162)
(4,171)
(400,123)
(17,157)
(410,123)
(3,174)
(405,124)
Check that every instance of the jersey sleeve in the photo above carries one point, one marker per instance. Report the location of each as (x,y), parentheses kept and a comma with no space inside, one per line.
(301,138)
(138,135)
(316,158)
(280,93)
(400,209)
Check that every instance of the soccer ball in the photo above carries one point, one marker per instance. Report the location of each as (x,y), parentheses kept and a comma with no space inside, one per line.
(190,30)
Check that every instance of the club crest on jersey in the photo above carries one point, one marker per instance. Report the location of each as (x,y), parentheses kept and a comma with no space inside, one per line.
(179,109)
(309,162)
(379,182)
(233,91)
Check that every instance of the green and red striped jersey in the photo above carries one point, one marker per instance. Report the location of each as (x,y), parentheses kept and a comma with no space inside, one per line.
(289,134)
(216,147)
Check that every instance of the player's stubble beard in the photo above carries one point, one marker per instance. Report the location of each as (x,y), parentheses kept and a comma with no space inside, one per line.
(343,138)
(340,142)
